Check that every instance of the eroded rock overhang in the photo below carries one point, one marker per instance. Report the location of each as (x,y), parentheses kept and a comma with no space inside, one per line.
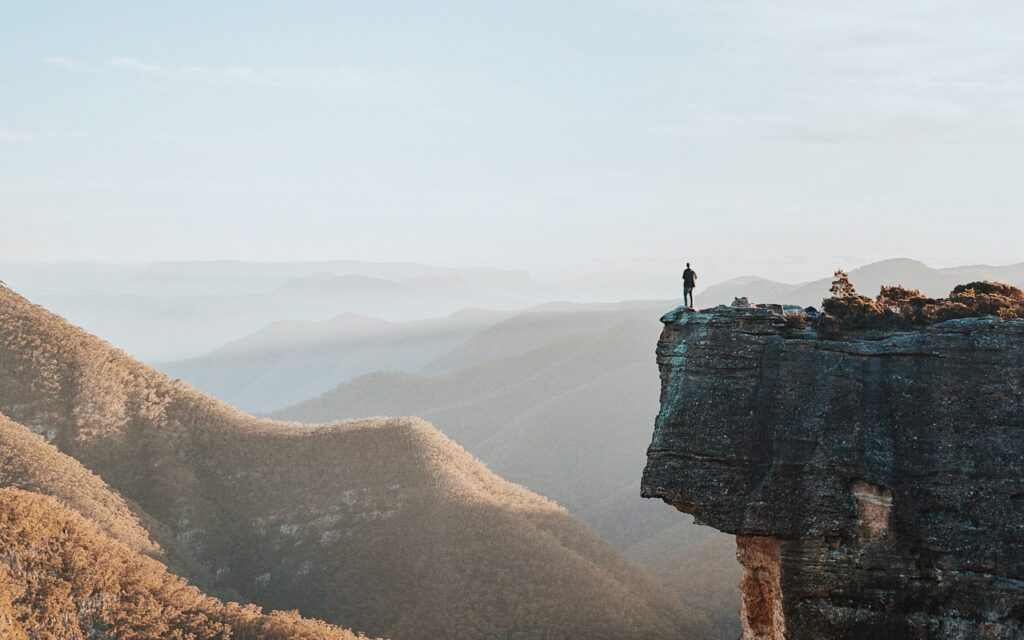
(875,483)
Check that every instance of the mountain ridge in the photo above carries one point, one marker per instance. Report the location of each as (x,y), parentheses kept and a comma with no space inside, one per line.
(288,361)
(556,401)
(382,525)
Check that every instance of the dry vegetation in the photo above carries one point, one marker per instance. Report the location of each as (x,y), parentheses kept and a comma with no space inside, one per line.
(898,307)
(555,400)
(704,570)
(381,525)
(28,462)
(61,577)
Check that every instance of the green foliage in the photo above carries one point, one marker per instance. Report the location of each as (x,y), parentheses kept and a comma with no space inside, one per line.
(901,308)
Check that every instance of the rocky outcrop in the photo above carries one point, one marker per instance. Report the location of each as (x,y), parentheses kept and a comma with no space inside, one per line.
(875,482)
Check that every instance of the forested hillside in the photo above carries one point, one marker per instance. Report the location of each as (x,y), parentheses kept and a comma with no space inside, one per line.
(561,399)
(62,577)
(384,525)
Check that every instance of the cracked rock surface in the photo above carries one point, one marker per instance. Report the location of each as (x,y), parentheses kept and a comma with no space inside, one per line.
(875,483)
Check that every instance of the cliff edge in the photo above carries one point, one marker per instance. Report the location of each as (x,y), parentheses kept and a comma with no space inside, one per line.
(875,482)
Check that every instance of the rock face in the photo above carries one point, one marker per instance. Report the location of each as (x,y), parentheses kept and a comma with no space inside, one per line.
(875,483)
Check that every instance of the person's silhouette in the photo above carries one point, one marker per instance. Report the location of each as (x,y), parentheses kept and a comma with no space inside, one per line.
(689,282)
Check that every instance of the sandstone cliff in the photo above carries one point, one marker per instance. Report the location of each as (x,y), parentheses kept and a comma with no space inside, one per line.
(875,483)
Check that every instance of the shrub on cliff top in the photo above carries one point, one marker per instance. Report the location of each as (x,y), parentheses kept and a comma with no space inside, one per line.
(847,309)
(899,307)
(855,312)
(797,320)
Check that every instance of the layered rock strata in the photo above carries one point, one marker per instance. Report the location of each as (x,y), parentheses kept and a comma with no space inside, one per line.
(875,483)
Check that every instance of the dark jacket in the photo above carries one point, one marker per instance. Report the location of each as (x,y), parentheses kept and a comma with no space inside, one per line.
(689,278)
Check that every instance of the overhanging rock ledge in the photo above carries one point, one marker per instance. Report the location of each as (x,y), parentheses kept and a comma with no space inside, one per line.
(875,483)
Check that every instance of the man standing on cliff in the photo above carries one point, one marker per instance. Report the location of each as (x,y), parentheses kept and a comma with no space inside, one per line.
(689,282)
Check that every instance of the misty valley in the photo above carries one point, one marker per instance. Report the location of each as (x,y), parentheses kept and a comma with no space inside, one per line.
(461,320)
(395,450)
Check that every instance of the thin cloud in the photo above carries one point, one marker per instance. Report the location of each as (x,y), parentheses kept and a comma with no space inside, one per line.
(73,65)
(324,79)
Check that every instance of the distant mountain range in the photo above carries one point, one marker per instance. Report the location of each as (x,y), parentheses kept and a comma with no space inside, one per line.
(562,399)
(174,311)
(287,362)
(232,277)
(555,397)
(165,312)
(381,525)
(867,279)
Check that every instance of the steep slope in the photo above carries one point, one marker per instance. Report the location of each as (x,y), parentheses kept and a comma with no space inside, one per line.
(62,577)
(539,326)
(288,362)
(554,415)
(562,417)
(28,462)
(700,564)
(381,525)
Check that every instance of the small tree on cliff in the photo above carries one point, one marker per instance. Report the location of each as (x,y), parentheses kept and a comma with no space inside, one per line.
(846,309)
(841,286)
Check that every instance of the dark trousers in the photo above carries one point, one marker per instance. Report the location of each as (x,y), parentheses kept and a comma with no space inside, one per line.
(688,296)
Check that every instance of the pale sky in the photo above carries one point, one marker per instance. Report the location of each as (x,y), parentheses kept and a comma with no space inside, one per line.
(765,136)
